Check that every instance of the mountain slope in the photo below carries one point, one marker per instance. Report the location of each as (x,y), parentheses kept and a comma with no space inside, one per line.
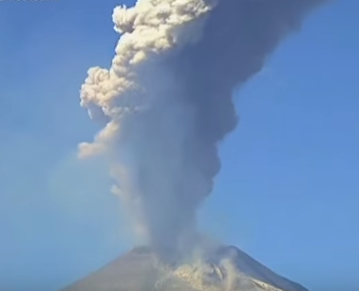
(227,269)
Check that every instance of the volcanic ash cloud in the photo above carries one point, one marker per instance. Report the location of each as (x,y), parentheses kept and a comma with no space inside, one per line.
(166,101)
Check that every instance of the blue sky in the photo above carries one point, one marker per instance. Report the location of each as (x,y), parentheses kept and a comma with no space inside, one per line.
(288,190)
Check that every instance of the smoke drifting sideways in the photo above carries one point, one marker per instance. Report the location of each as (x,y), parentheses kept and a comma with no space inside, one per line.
(166,102)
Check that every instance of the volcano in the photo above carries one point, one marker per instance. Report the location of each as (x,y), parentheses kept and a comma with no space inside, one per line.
(225,269)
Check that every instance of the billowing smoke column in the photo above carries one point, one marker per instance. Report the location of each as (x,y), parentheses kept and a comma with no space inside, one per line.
(166,102)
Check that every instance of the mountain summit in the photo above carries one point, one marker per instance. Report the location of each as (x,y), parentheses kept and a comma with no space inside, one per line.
(225,269)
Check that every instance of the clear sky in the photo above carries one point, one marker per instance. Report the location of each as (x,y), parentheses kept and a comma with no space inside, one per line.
(288,190)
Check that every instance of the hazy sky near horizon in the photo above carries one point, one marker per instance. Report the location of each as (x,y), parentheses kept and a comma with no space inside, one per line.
(288,190)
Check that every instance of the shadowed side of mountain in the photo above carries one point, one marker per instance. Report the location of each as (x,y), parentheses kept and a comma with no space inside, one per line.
(134,271)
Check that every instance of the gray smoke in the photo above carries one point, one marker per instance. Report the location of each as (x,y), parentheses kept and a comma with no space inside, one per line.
(166,102)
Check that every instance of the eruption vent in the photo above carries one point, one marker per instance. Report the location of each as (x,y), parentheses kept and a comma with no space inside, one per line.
(166,101)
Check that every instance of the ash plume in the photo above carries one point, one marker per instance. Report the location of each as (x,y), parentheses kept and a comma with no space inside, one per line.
(166,101)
